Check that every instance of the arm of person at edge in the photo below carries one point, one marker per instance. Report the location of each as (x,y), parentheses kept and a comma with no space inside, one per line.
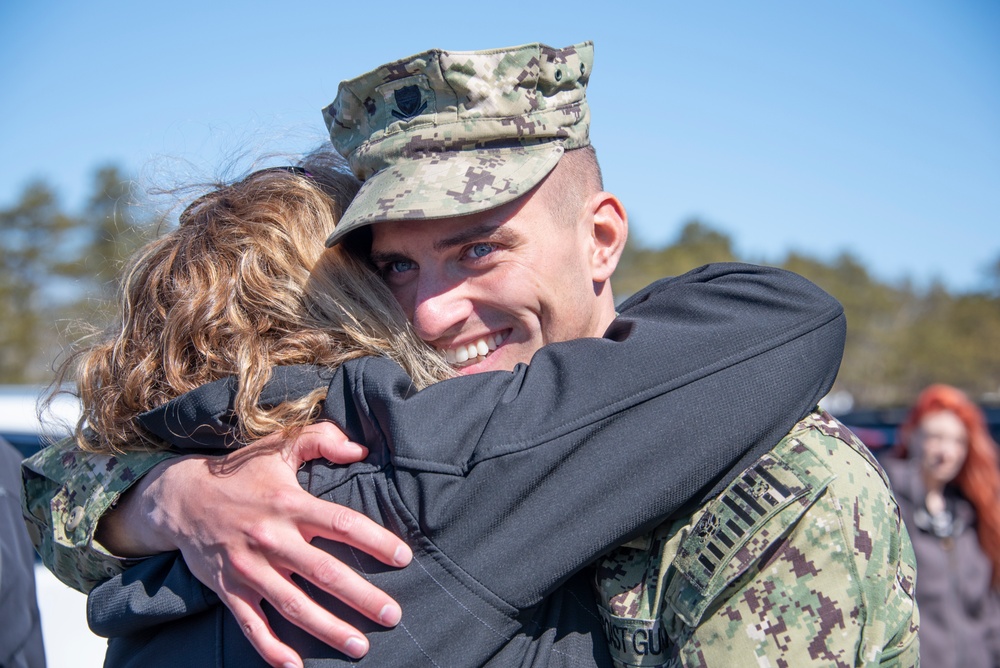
(776,300)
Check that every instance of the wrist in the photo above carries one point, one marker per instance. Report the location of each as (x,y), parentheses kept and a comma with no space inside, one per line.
(141,522)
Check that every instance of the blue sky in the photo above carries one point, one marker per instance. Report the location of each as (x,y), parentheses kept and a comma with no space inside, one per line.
(810,126)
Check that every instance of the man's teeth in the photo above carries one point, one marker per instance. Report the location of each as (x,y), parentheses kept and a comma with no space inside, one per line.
(471,351)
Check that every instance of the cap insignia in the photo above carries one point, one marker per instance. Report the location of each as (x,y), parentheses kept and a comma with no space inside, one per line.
(409,103)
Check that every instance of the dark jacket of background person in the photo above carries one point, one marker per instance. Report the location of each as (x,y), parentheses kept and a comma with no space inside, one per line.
(959,610)
(20,625)
(504,488)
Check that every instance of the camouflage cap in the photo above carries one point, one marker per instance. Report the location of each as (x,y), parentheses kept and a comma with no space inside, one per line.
(448,133)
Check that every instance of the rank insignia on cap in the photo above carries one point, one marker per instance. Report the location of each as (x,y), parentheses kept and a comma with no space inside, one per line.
(409,103)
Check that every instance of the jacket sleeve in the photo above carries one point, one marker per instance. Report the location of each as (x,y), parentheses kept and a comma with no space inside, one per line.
(64,493)
(523,478)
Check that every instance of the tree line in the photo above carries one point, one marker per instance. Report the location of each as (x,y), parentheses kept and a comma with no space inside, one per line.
(900,338)
(58,271)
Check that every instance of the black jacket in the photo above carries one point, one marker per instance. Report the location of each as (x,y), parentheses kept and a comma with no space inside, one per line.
(508,484)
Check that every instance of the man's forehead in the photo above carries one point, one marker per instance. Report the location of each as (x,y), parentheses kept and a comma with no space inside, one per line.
(437,234)
(442,233)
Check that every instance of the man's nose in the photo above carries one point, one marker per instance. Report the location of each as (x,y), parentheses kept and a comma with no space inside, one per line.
(440,308)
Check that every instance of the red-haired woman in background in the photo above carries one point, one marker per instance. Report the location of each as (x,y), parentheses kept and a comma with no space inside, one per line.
(947,481)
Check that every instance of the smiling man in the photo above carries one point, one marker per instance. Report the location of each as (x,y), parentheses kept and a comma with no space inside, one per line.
(483,209)
(489,289)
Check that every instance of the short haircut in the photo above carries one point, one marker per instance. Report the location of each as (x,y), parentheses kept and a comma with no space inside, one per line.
(575,178)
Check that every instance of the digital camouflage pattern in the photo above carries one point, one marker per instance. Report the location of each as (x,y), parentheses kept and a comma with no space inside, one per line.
(802,561)
(448,133)
(65,492)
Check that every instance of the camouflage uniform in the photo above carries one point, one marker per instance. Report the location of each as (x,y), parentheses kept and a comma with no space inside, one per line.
(65,492)
(802,560)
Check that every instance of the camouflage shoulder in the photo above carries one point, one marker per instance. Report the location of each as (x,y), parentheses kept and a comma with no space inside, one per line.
(830,427)
(792,564)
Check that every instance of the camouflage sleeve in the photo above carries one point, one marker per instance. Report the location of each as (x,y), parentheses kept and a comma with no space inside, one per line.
(802,561)
(836,570)
(65,491)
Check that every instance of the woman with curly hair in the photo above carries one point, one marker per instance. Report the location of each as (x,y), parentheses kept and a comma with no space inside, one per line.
(947,480)
(228,293)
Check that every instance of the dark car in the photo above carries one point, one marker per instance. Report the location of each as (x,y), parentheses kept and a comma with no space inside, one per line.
(878,428)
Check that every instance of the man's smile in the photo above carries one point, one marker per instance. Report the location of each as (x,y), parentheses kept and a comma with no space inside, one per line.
(474,351)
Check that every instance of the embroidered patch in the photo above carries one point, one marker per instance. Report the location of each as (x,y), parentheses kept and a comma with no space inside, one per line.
(409,103)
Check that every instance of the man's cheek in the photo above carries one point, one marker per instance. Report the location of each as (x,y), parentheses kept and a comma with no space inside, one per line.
(404,297)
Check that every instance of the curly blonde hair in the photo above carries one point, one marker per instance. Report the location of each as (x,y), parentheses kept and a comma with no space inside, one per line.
(230,291)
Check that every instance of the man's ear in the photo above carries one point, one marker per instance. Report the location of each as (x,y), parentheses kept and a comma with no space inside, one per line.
(608,234)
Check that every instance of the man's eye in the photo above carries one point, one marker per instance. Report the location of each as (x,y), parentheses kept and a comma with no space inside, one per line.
(399,266)
(480,250)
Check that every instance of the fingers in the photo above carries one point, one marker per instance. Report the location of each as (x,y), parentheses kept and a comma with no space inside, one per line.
(325,440)
(341,581)
(285,552)
(309,517)
(332,521)
(253,623)
(247,529)
(261,580)
(295,606)
(328,520)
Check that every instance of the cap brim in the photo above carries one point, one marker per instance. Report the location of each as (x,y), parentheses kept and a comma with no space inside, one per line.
(449,184)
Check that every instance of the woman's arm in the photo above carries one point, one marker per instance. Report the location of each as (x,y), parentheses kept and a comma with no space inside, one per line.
(518,479)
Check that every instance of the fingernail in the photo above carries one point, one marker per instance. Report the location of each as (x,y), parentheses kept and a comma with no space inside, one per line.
(390,615)
(362,449)
(355,648)
(402,556)
(289,665)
